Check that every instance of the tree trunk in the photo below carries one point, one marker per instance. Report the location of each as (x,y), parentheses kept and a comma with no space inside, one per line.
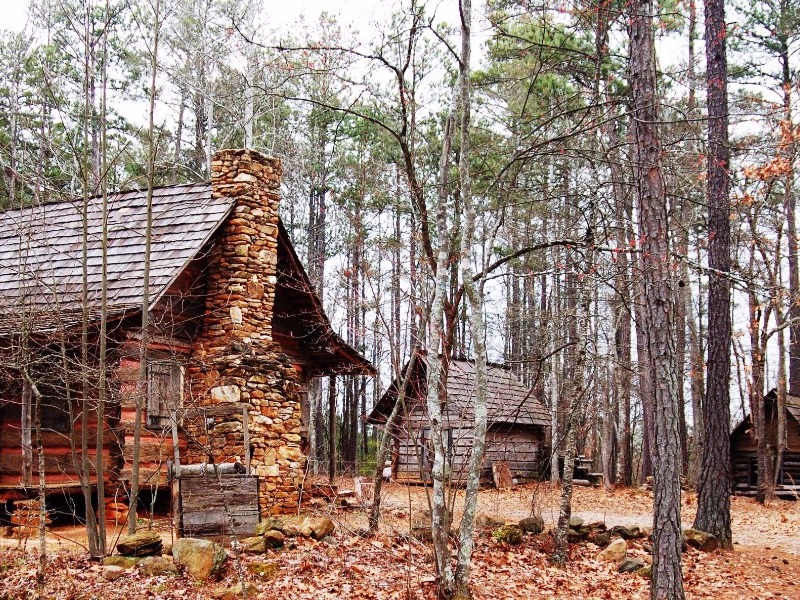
(437,372)
(89,166)
(608,445)
(560,539)
(621,307)
(26,435)
(102,359)
(666,583)
(714,493)
(764,486)
(790,208)
(141,392)
(575,389)
(30,386)
(780,406)
(332,429)
(176,160)
(645,375)
(555,432)
(696,336)
(386,439)
(477,326)
(576,385)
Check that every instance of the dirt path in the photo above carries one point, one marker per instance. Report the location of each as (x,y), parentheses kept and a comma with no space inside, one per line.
(773,526)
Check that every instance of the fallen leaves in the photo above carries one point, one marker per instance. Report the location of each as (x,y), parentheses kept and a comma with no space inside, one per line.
(393,566)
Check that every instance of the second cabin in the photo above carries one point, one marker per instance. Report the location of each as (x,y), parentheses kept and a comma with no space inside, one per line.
(517,424)
(744,449)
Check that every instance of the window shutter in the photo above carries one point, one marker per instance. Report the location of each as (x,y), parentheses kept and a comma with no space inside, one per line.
(165,391)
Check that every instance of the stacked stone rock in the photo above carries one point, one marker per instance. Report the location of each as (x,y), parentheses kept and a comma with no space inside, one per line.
(26,517)
(236,358)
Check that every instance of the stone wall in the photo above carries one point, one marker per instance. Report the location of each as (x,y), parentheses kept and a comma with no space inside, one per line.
(235,358)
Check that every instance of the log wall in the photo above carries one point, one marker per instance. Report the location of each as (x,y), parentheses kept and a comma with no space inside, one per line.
(744,467)
(520,446)
(156,447)
(60,468)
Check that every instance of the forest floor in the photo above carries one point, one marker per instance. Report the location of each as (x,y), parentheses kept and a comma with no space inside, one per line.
(765,562)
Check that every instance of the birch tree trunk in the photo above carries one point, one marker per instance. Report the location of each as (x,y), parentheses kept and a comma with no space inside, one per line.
(436,396)
(474,295)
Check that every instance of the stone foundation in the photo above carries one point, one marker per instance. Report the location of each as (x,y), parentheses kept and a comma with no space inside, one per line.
(236,359)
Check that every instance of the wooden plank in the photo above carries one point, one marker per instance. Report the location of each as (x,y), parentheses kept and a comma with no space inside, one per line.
(216,506)
(209,470)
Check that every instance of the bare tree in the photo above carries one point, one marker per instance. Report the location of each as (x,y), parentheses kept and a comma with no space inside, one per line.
(141,394)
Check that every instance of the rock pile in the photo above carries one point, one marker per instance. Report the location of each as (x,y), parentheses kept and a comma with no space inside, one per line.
(26,518)
(274,529)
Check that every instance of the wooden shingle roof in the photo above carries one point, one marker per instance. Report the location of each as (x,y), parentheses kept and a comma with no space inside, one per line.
(41,265)
(507,400)
(41,253)
(770,402)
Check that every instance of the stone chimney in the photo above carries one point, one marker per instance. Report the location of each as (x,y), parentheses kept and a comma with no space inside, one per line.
(241,290)
(235,359)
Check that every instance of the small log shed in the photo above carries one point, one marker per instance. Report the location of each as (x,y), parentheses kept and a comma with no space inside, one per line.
(744,464)
(517,427)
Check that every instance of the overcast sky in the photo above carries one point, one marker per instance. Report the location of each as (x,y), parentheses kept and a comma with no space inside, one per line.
(281,12)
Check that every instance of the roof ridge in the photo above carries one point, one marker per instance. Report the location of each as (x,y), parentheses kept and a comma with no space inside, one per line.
(73,200)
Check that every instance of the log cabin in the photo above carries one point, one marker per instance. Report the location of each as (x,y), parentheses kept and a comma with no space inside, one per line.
(744,464)
(233,320)
(517,424)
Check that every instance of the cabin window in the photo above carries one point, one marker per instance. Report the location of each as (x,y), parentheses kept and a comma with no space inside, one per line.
(54,407)
(164,392)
